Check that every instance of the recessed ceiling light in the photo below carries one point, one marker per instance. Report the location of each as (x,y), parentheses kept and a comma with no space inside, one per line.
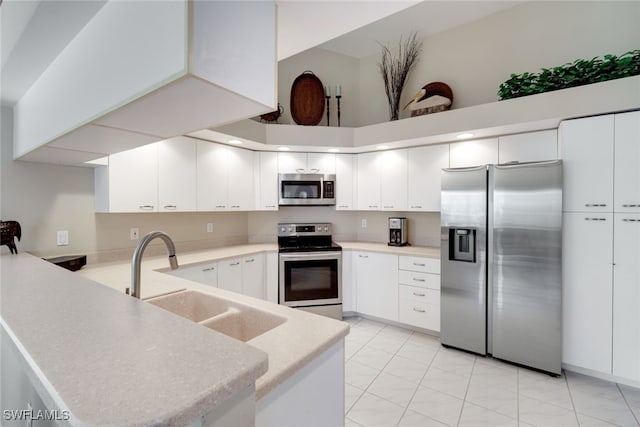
(333,150)
(235,141)
(284,148)
(382,147)
(464,135)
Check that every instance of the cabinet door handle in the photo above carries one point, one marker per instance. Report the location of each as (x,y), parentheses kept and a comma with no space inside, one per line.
(595,219)
(270,206)
(235,206)
(630,220)
(417,264)
(388,206)
(299,170)
(233,264)
(418,294)
(416,207)
(595,205)
(415,279)
(315,170)
(633,205)
(250,260)
(363,256)
(419,310)
(170,206)
(221,206)
(373,206)
(146,207)
(208,269)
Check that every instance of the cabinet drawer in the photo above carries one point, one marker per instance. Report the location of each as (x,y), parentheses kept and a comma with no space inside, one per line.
(420,314)
(414,278)
(424,265)
(422,295)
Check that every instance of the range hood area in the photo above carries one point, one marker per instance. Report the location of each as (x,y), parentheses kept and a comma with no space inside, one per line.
(140,72)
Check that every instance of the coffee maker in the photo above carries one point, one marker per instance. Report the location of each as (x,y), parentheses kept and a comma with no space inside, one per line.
(398,231)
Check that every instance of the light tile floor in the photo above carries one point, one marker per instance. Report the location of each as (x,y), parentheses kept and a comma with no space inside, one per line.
(396,377)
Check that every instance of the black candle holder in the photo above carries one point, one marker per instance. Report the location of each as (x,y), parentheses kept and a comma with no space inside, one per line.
(338,98)
(328,110)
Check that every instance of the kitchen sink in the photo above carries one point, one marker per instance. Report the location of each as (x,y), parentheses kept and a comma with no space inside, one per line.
(233,319)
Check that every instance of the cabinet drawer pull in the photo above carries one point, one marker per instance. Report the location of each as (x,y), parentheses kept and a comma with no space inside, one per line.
(363,256)
(299,170)
(235,206)
(633,205)
(146,207)
(270,206)
(208,269)
(418,294)
(373,206)
(595,205)
(233,264)
(250,260)
(415,279)
(630,220)
(417,264)
(419,310)
(416,207)
(343,206)
(170,206)
(388,206)
(315,170)
(221,206)
(595,219)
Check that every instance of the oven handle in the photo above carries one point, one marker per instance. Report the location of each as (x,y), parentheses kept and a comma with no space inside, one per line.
(301,256)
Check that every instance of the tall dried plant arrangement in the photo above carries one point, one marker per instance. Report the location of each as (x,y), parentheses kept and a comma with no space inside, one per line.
(396,69)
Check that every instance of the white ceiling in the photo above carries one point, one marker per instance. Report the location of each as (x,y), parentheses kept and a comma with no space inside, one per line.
(427,17)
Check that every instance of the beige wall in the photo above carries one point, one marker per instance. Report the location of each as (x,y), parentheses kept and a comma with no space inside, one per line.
(475,58)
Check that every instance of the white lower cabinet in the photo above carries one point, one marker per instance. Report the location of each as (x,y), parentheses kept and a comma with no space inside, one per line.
(587,272)
(207,274)
(626,297)
(230,274)
(348,283)
(419,292)
(376,284)
(253,276)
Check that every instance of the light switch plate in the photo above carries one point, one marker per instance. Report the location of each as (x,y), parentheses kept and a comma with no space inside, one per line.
(363,223)
(210,227)
(62,238)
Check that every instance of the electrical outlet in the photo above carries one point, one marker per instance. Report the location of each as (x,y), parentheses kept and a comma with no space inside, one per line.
(62,238)
(134,233)
(210,227)
(363,222)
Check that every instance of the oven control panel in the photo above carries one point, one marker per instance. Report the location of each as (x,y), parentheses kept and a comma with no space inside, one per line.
(304,229)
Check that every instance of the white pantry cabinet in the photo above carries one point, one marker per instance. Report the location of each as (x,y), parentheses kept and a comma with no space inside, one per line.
(587,277)
(424,175)
(266,180)
(473,153)
(627,162)
(376,284)
(177,175)
(225,177)
(132,183)
(346,182)
(626,296)
(306,163)
(586,149)
(528,147)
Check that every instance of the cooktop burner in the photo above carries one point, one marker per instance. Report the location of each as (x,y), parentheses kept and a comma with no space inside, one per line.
(307,237)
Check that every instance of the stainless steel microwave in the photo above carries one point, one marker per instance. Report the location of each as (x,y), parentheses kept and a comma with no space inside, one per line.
(295,189)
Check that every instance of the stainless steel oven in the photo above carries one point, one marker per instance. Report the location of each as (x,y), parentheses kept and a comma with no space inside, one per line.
(310,269)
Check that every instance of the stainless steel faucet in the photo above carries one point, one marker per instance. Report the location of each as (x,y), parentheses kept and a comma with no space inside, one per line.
(137,258)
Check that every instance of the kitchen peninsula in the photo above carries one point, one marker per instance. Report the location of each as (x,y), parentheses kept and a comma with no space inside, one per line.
(103,358)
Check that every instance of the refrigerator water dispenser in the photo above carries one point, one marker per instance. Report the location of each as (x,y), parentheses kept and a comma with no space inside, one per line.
(462,244)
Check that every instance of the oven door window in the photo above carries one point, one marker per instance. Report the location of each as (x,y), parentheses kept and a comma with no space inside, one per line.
(310,280)
(301,190)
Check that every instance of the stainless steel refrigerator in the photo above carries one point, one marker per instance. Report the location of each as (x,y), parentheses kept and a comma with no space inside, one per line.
(501,262)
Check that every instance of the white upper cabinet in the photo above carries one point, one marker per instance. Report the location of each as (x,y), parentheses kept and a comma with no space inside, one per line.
(133,180)
(266,180)
(528,147)
(172,67)
(393,180)
(346,177)
(177,175)
(240,179)
(368,182)
(627,162)
(306,163)
(424,175)
(473,153)
(586,149)
(225,177)
(212,176)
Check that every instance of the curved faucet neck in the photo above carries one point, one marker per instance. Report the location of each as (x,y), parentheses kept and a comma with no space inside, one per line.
(136,262)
